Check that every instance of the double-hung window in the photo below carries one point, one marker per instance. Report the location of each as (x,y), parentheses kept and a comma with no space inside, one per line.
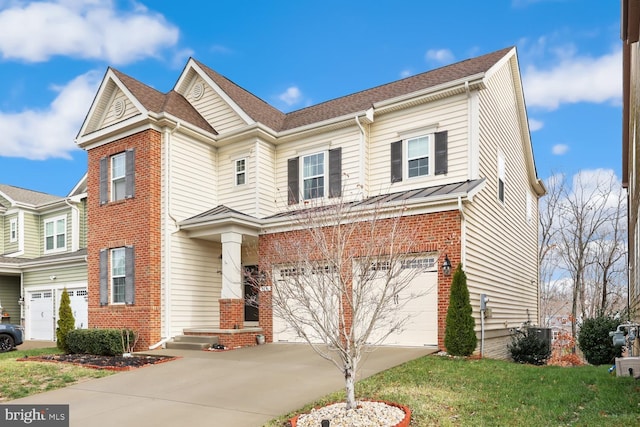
(118,167)
(241,171)
(117,174)
(418,155)
(118,275)
(55,234)
(13,230)
(313,172)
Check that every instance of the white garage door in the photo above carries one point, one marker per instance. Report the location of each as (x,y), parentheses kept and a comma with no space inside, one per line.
(41,315)
(417,306)
(78,297)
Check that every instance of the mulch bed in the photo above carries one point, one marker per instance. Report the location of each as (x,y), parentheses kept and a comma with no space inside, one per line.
(112,363)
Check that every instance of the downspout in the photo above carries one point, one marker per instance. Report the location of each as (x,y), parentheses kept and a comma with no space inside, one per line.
(462,231)
(167,244)
(361,162)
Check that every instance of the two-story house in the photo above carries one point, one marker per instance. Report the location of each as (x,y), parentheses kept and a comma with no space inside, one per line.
(42,251)
(188,190)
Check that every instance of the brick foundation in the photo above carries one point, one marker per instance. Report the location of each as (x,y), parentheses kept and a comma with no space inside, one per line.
(231,313)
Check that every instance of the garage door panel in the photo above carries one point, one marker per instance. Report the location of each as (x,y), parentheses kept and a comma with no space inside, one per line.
(41,315)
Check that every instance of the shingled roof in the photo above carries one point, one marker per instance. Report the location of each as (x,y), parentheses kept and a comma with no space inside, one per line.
(29,197)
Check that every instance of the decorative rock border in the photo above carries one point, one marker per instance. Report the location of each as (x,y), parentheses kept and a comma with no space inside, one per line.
(404,423)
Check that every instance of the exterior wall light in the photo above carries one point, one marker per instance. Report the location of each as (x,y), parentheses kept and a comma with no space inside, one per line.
(446,266)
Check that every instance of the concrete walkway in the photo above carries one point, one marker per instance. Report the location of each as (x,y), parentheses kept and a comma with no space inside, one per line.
(244,387)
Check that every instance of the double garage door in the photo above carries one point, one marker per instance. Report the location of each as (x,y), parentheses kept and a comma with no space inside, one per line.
(419,309)
(42,311)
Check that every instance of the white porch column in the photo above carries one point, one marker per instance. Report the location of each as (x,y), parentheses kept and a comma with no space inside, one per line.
(231,265)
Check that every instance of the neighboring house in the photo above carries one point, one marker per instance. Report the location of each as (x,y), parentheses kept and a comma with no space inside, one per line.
(630,33)
(42,251)
(190,188)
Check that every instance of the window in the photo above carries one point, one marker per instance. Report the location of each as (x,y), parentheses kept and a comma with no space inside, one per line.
(241,171)
(501,174)
(118,163)
(117,175)
(118,275)
(55,234)
(418,155)
(313,176)
(13,230)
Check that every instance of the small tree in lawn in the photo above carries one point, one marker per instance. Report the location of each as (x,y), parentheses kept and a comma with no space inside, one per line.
(460,338)
(66,321)
(340,278)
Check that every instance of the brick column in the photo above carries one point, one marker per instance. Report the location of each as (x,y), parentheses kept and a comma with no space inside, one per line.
(231,313)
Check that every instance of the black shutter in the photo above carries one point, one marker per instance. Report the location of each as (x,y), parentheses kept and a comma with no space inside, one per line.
(396,161)
(104,176)
(129,279)
(335,172)
(129,179)
(104,277)
(441,153)
(292,181)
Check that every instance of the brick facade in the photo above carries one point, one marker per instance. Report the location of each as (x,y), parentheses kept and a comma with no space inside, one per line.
(439,232)
(130,222)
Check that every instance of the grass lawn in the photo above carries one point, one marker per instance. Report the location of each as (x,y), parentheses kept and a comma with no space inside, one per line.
(21,379)
(463,392)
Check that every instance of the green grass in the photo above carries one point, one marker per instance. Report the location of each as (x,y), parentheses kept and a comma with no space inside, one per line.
(21,379)
(463,392)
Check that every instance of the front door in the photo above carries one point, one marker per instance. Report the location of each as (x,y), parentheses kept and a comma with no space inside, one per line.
(251,293)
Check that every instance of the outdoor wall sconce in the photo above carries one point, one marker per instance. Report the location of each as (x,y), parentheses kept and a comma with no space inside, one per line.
(446,266)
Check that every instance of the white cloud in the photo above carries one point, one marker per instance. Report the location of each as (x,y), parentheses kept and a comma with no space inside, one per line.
(291,96)
(535,125)
(42,134)
(441,56)
(575,79)
(405,73)
(34,32)
(560,149)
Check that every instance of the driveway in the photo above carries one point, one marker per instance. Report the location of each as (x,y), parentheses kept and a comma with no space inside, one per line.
(244,387)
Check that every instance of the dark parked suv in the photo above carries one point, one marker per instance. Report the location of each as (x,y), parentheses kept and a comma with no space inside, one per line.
(10,336)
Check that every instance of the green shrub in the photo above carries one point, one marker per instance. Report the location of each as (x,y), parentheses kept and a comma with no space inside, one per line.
(595,342)
(102,342)
(460,338)
(66,321)
(527,347)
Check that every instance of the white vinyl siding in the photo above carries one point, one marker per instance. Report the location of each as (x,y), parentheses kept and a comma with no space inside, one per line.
(449,115)
(214,109)
(500,246)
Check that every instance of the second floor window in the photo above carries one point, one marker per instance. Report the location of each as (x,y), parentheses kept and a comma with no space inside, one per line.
(418,156)
(313,176)
(117,176)
(55,234)
(241,171)
(13,230)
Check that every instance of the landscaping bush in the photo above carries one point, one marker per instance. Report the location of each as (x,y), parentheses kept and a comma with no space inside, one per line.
(595,342)
(460,338)
(66,321)
(527,347)
(102,342)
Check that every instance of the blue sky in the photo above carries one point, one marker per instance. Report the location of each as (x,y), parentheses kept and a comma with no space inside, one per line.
(53,55)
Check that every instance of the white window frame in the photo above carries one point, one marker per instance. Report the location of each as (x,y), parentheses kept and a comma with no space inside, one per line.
(117,272)
(56,234)
(240,173)
(324,175)
(13,230)
(430,156)
(118,179)
(501,178)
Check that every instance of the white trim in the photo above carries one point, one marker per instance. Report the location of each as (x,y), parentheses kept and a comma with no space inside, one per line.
(245,171)
(54,221)
(324,175)
(13,230)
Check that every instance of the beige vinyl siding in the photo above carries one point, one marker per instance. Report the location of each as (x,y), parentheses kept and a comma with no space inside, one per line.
(9,246)
(110,116)
(266,179)
(69,274)
(239,197)
(32,236)
(194,265)
(348,139)
(501,245)
(214,109)
(9,294)
(449,115)
(3,236)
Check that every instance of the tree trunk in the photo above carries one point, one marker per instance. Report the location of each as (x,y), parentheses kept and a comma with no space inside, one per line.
(349,385)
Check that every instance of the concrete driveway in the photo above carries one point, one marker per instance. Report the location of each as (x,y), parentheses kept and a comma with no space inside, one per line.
(244,387)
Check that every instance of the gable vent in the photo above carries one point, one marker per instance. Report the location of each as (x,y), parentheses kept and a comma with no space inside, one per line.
(197,91)
(119,107)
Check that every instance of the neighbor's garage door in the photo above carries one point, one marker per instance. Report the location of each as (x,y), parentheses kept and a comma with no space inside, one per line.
(41,315)
(79,308)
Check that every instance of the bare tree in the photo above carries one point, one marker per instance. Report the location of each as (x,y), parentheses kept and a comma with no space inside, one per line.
(341,277)
(583,234)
